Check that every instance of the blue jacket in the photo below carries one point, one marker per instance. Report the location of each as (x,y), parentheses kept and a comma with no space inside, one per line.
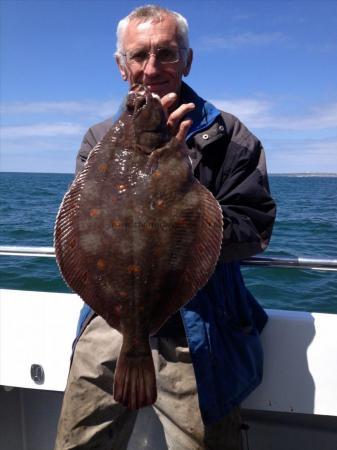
(223,321)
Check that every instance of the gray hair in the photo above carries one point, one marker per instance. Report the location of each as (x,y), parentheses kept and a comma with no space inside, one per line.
(147,13)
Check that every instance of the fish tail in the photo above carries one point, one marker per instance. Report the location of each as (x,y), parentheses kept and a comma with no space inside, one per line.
(135,379)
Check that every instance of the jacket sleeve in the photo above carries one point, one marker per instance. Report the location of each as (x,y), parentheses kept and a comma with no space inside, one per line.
(244,195)
(91,138)
(88,143)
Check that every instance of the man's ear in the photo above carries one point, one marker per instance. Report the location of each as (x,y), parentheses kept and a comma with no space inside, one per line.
(121,67)
(187,68)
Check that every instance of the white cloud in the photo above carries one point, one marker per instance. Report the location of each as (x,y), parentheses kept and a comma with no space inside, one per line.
(18,132)
(31,120)
(246,39)
(91,107)
(260,114)
(301,155)
(247,109)
(315,119)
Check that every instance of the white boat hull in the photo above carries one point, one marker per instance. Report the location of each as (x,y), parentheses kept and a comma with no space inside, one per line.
(295,408)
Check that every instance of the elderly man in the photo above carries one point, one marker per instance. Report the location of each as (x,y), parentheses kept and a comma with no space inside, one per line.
(208,356)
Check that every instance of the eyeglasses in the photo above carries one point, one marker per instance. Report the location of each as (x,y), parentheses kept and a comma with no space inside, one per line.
(164,55)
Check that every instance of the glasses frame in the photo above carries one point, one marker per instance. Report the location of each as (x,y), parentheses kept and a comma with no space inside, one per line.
(154,53)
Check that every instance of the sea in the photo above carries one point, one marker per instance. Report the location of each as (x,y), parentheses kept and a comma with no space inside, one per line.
(306,226)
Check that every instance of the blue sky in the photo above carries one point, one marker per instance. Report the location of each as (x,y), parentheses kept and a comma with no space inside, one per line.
(271,63)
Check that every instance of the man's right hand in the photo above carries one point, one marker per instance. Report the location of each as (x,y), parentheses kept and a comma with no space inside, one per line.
(175,122)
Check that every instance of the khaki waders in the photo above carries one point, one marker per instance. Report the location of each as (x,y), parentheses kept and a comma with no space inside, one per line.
(90,418)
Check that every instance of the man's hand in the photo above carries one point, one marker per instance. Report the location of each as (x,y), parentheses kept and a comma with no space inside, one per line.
(175,122)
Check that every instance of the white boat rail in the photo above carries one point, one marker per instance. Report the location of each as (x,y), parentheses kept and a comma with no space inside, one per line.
(13,250)
(265,261)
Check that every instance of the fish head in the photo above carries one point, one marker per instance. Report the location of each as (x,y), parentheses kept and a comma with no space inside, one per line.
(149,121)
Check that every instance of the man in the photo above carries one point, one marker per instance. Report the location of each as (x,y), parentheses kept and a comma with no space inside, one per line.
(208,356)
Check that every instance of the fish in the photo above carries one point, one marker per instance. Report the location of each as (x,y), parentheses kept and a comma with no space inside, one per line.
(137,235)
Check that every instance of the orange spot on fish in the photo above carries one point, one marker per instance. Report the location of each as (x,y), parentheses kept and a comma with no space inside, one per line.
(103,167)
(133,268)
(157,174)
(94,212)
(160,203)
(209,221)
(100,264)
(116,224)
(72,243)
(182,221)
(117,308)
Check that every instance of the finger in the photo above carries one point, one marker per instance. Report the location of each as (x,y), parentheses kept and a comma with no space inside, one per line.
(178,114)
(168,100)
(183,130)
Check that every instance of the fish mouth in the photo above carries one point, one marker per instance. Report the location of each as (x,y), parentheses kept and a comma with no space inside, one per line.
(146,110)
(138,98)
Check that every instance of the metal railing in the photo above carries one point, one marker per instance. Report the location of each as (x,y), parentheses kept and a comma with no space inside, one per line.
(292,263)
(265,261)
(13,250)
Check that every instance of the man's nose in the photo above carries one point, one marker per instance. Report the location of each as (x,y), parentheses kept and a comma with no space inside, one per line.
(151,66)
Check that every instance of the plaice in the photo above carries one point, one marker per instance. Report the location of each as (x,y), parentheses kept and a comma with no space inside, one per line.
(136,236)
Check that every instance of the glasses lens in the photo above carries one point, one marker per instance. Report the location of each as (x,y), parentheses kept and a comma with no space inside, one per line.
(167,55)
(137,56)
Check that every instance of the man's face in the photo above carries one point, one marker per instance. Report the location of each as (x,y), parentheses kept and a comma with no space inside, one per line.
(149,36)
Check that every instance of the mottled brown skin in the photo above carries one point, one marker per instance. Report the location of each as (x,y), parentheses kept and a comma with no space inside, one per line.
(137,236)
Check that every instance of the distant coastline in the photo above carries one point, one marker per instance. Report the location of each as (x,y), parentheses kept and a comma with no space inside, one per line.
(305,174)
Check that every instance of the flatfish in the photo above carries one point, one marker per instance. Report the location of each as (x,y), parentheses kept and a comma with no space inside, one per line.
(136,236)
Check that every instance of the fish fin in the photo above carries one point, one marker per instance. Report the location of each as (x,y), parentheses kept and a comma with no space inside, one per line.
(66,241)
(135,379)
(203,257)
(206,249)
(73,265)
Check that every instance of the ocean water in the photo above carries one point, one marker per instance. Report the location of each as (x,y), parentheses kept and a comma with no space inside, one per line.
(306,226)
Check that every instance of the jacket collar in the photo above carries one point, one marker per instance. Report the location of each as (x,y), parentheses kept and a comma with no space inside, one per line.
(204,114)
(204,118)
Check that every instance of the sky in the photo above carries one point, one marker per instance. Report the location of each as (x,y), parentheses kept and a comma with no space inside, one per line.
(271,63)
